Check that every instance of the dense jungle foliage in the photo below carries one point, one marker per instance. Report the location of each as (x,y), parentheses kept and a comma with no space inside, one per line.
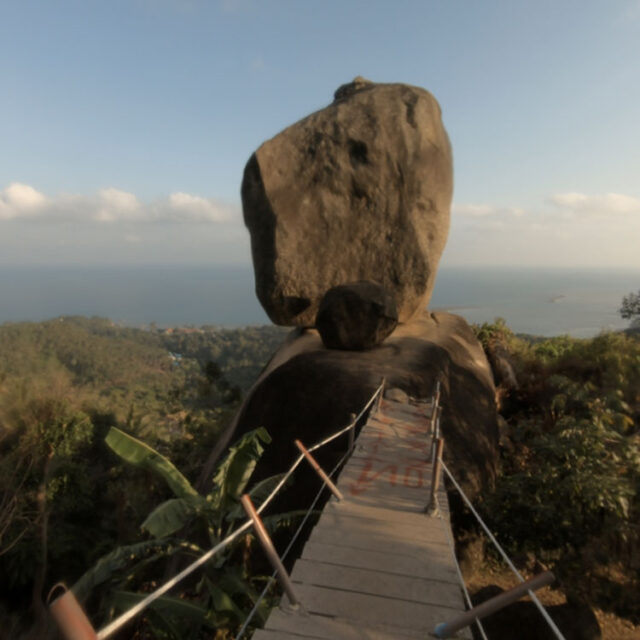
(66,498)
(104,429)
(569,481)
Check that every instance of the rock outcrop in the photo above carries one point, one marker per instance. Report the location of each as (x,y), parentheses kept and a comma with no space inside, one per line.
(308,391)
(356,316)
(360,190)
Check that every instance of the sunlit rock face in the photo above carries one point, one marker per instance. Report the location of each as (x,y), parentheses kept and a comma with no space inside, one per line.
(360,190)
(348,212)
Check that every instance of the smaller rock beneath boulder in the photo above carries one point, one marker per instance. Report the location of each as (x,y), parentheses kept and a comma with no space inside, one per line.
(397,395)
(356,316)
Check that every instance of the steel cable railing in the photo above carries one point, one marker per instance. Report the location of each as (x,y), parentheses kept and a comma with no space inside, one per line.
(285,553)
(125,617)
(467,597)
(437,458)
(505,557)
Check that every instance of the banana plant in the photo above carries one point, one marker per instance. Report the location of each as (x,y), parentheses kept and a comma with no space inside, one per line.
(229,483)
(225,591)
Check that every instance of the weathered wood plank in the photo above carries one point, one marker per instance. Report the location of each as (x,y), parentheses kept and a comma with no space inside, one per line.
(423,528)
(436,568)
(371,509)
(330,628)
(418,548)
(366,608)
(376,566)
(369,581)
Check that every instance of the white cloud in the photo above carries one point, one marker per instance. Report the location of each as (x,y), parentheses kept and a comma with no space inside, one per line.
(108,206)
(568,228)
(117,205)
(184,206)
(20,200)
(607,204)
(485,210)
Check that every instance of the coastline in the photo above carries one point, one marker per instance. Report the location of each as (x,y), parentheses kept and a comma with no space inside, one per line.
(544,302)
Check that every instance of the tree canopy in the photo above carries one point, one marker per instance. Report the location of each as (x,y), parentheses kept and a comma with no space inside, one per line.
(630,307)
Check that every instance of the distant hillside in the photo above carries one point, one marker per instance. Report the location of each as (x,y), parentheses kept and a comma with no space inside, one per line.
(65,498)
(117,366)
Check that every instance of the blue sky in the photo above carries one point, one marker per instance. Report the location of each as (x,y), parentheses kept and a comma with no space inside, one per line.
(125,125)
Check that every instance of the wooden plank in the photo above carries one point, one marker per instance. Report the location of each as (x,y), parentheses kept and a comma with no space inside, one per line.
(378,583)
(412,480)
(381,541)
(386,438)
(423,552)
(376,566)
(308,625)
(398,429)
(423,527)
(389,498)
(417,526)
(401,514)
(365,608)
(437,568)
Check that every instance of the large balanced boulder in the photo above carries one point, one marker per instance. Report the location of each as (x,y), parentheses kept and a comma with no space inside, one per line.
(360,190)
(356,316)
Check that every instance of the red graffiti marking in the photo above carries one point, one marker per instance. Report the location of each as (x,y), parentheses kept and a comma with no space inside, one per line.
(419,481)
(412,475)
(367,478)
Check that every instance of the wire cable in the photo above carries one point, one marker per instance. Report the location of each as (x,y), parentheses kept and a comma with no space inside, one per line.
(289,547)
(505,557)
(458,569)
(127,615)
(160,591)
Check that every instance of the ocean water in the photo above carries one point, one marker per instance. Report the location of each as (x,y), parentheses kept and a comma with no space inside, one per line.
(580,302)
(546,302)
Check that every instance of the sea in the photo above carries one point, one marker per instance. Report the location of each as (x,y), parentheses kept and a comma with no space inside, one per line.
(544,301)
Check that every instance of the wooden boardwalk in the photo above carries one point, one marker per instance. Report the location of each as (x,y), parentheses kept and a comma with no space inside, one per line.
(376,567)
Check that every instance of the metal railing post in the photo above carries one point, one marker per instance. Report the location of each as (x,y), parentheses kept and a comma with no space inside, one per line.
(434,437)
(432,507)
(380,394)
(270,550)
(69,616)
(447,629)
(318,469)
(352,432)
(435,414)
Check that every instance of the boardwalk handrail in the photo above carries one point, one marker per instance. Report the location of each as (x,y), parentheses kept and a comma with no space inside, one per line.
(447,629)
(502,552)
(129,614)
(442,630)
(285,553)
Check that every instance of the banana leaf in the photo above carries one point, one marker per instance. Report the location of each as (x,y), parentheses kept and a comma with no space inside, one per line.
(138,453)
(234,583)
(168,618)
(223,604)
(258,493)
(118,559)
(234,472)
(167,605)
(285,520)
(172,515)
